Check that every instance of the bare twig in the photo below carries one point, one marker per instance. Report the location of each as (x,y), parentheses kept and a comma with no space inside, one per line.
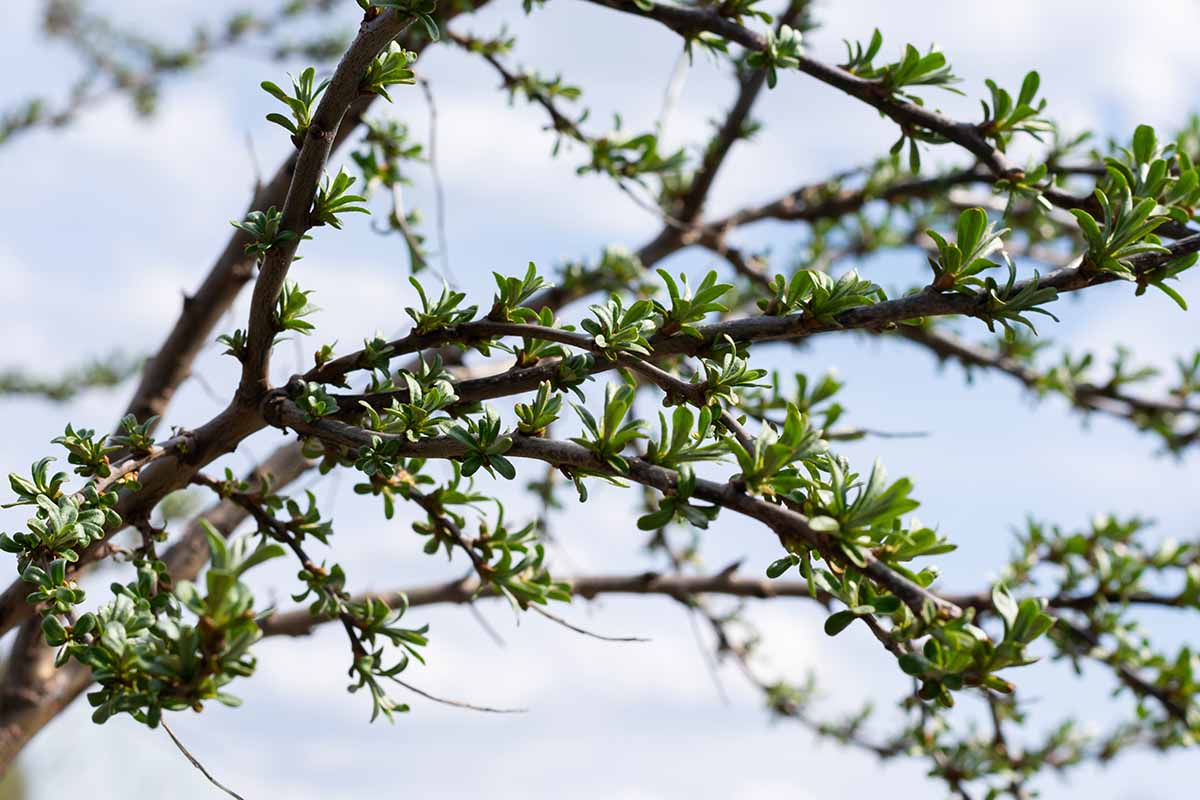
(560,621)
(196,762)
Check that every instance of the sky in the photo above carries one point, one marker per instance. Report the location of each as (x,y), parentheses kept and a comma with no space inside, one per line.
(107,222)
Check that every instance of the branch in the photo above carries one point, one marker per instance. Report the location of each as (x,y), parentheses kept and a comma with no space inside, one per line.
(880,316)
(373,37)
(690,21)
(1127,675)
(1107,399)
(21,719)
(203,310)
(787,524)
(98,374)
(299,622)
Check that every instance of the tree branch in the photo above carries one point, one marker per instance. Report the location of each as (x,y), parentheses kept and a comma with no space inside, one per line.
(298,622)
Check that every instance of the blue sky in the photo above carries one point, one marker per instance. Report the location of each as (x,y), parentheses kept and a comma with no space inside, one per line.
(134,212)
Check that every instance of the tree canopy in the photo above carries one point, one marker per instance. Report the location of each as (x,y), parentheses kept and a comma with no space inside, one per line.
(495,408)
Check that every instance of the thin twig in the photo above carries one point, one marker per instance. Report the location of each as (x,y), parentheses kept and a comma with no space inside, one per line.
(710,661)
(674,90)
(196,763)
(488,628)
(584,631)
(439,191)
(459,703)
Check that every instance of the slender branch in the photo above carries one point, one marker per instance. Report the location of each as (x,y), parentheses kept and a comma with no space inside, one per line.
(1086,396)
(970,137)
(202,311)
(788,525)
(1141,687)
(926,303)
(196,762)
(557,620)
(457,703)
(299,622)
(343,90)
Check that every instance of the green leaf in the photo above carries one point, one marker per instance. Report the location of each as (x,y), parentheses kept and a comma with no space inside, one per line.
(837,622)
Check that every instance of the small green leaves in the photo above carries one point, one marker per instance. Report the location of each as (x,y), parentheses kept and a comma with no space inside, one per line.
(781,565)
(533,350)
(1168,270)
(512,292)
(610,435)
(235,556)
(333,198)
(305,521)
(534,418)
(687,307)
(684,440)
(390,68)
(895,81)
(88,452)
(724,380)
(1004,604)
(913,69)
(376,354)
(444,312)
(859,59)
(235,343)
(616,329)
(136,436)
(850,506)
(263,229)
(818,295)
(40,482)
(960,654)
(423,439)
(1165,173)
(838,622)
(535,87)
(573,371)
(301,103)
(1123,230)
(143,626)
(774,453)
(958,264)
(422,10)
(60,528)
(783,51)
(677,506)
(1003,118)
(1009,305)
(417,416)
(621,156)
(315,401)
(486,445)
(291,308)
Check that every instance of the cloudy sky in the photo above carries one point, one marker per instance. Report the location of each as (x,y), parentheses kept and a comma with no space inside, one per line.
(105,223)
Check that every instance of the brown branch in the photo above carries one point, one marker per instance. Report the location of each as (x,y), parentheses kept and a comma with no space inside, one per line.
(1086,396)
(557,620)
(344,89)
(879,316)
(1128,676)
(203,310)
(790,526)
(299,622)
(689,21)
(691,204)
